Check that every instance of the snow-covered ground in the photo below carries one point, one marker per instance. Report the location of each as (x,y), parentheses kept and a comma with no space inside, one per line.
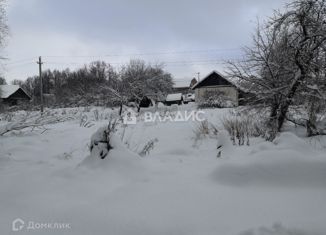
(179,187)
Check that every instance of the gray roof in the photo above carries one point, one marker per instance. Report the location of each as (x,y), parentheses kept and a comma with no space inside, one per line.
(8,90)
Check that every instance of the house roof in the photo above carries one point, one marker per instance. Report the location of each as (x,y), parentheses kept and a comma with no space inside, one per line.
(205,80)
(174,97)
(182,84)
(8,90)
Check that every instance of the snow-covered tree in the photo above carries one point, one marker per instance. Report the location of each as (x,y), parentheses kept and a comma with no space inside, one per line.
(139,80)
(142,78)
(3,81)
(285,58)
(3,23)
(305,22)
(3,34)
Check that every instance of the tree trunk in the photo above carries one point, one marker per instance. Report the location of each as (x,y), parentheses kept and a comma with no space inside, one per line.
(284,108)
(120,110)
(311,129)
(311,122)
(273,114)
(282,115)
(272,127)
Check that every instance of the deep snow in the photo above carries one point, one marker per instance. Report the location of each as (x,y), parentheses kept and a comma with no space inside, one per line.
(180,187)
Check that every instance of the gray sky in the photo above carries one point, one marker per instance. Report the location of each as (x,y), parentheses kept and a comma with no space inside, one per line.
(189,36)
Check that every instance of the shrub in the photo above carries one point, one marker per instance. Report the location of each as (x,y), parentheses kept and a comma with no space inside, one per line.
(84,122)
(148,147)
(243,126)
(96,115)
(215,100)
(204,129)
(101,139)
(237,129)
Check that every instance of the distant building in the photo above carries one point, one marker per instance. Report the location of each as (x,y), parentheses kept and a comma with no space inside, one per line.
(176,98)
(13,95)
(183,87)
(215,83)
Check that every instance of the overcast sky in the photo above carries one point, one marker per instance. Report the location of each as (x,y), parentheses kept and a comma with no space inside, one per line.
(189,36)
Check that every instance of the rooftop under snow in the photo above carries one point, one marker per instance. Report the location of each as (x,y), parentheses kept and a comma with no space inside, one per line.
(7,90)
(174,97)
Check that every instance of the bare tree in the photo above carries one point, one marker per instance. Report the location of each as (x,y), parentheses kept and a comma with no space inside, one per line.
(3,81)
(314,91)
(3,29)
(305,23)
(3,23)
(141,79)
(265,70)
(285,58)
(17,82)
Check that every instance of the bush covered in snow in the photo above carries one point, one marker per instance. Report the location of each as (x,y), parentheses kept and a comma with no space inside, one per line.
(101,140)
(215,100)
(276,229)
(17,121)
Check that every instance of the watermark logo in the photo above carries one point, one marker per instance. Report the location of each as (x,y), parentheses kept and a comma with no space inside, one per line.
(18,224)
(177,116)
(129,117)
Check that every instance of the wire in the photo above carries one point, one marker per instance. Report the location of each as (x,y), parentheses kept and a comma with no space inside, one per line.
(213,61)
(20,61)
(147,53)
(23,62)
(20,65)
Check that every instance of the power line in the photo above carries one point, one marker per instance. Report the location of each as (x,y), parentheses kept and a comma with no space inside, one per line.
(207,51)
(29,60)
(21,61)
(184,63)
(19,65)
(214,61)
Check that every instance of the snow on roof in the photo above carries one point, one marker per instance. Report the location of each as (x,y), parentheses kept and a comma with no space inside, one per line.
(181,83)
(174,97)
(224,77)
(8,90)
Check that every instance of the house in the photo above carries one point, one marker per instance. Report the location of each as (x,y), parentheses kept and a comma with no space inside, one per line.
(183,86)
(214,84)
(174,99)
(13,95)
(156,97)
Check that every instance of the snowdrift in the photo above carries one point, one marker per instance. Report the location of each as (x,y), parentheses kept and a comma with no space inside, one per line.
(277,229)
(289,162)
(120,161)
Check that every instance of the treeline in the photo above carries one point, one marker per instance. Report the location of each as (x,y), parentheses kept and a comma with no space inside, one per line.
(99,83)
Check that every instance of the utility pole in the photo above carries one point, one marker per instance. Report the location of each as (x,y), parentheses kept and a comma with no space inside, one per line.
(109,75)
(41,81)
